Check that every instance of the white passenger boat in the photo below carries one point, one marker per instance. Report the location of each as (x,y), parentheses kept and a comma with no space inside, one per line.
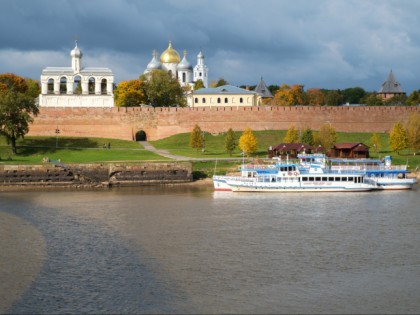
(383,173)
(288,177)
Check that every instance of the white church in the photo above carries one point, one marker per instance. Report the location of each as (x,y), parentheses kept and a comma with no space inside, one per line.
(171,62)
(76,86)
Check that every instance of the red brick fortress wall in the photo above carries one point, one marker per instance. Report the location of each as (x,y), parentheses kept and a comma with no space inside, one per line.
(158,123)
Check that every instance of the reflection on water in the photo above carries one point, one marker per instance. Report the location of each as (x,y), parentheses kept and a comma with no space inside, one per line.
(193,250)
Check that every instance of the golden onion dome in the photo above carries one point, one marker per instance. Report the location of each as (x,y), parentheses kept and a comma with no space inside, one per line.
(170,55)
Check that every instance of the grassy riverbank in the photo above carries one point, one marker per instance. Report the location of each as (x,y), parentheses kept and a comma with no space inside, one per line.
(32,150)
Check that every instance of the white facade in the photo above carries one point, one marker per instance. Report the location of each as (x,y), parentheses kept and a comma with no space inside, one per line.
(76,86)
(180,69)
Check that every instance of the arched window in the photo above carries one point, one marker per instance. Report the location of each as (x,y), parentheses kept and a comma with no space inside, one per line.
(50,89)
(204,100)
(77,85)
(184,77)
(218,100)
(63,85)
(91,85)
(241,100)
(104,86)
(196,100)
(226,100)
(170,72)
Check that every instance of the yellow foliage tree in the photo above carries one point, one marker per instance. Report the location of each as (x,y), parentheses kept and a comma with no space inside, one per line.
(130,93)
(413,132)
(247,142)
(292,135)
(290,95)
(315,97)
(196,138)
(326,137)
(375,140)
(398,138)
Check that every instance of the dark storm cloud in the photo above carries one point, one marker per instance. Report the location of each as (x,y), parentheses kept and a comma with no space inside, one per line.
(326,43)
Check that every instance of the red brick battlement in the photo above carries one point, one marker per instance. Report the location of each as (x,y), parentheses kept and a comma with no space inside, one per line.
(158,123)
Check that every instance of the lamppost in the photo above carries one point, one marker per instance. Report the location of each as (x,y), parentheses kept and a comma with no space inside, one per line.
(57,132)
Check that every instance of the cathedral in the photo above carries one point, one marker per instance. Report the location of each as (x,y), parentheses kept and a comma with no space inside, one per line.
(171,62)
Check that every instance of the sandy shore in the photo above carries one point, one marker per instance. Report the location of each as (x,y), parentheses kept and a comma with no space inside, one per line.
(22,254)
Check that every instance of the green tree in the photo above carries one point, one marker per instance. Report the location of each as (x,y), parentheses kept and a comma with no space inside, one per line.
(413,132)
(353,95)
(221,82)
(333,98)
(196,138)
(230,141)
(398,138)
(162,90)
(373,100)
(326,137)
(130,93)
(398,100)
(375,140)
(413,99)
(17,105)
(307,137)
(247,142)
(292,135)
(198,85)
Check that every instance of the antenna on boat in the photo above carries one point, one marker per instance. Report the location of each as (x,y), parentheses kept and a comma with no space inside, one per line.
(215,166)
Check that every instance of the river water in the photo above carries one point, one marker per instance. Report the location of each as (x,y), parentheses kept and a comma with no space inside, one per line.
(192,250)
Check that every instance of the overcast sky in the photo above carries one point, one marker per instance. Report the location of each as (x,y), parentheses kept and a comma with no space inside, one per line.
(332,44)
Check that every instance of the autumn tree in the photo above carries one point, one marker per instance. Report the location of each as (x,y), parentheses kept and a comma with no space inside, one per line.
(307,137)
(398,138)
(292,135)
(130,93)
(17,105)
(413,132)
(290,95)
(196,138)
(230,141)
(375,140)
(315,97)
(162,90)
(326,137)
(247,142)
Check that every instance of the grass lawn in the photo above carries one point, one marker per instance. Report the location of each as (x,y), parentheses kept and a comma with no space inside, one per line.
(32,150)
(214,145)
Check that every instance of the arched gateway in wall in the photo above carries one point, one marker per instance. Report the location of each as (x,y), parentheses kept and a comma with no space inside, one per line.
(76,86)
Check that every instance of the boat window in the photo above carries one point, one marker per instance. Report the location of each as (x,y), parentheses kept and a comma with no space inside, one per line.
(318,179)
(337,179)
(330,179)
(304,179)
(311,179)
(324,179)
